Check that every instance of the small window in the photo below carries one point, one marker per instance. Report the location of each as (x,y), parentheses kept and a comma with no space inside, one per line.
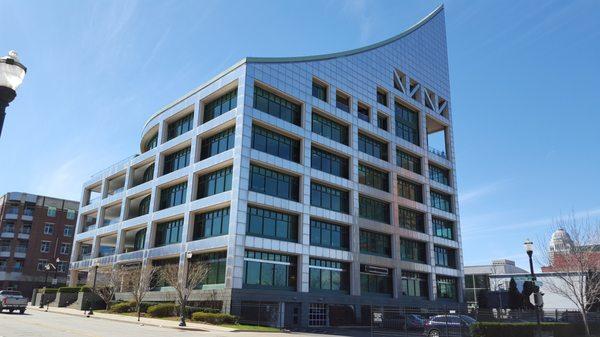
(319,90)
(363,112)
(382,121)
(70,214)
(45,247)
(48,229)
(52,211)
(342,101)
(382,97)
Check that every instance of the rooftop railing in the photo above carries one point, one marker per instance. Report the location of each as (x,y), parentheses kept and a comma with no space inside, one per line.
(438,152)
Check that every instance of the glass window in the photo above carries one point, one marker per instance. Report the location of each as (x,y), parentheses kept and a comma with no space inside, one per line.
(446,287)
(413,251)
(410,190)
(213,223)
(443,228)
(408,161)
(48,229)
(412,220)
(151,142)
(382,121)
(382,97)
(329,129)
(272,224)
(214,182)
(439,174)
(216,262)
(440,201)
(220,105)
(180,126)
(68,230)
(65,248)
(329,235)
(71,214)
(173,195)
(372,147)
(328,162)
(139,241)
(274,183)
(176,160)
(144,206)
(415,284)
(45,247)
(375,243)
(377,280)
(168,233)
(269,270)
(326,275)
(319,90)
(364,112)
(342,101)
(373,177)
(276,105)
(407,123)
(329,198)
(217,143)
(445,257)
(51,211)
(275,143)
(374,209)
(148,173)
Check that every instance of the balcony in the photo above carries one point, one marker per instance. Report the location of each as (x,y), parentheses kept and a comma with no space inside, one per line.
(85,256)
(11,216)
(437,152)
(4,251)
(21,252)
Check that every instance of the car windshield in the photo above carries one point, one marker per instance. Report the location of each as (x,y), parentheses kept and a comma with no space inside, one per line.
(468,319)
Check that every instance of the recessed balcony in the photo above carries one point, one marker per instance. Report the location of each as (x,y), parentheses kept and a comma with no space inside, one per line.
(115,185)
(112,215)
(437,142)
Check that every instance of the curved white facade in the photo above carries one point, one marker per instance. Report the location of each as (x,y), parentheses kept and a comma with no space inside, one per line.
(410,69)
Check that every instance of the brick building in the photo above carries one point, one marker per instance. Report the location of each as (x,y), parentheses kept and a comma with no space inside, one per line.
(34,231)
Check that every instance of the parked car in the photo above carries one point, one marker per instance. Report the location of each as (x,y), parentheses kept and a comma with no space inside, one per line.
(396,320)
(12,300)
(449,325)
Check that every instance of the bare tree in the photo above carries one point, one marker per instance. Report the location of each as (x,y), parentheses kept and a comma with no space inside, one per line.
(574,260)
(108,280)
(137,280)
(182,283)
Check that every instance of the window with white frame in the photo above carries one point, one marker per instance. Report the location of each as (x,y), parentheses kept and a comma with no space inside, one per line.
(45,247)
(65,248)
(49,229)
(68,231)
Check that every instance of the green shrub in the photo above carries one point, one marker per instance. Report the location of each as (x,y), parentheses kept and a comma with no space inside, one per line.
(213,318)
(85,289)
(69,290)
(145,305)
(162,310)
(191,310)
(499,329)
(49,291)
(122,307)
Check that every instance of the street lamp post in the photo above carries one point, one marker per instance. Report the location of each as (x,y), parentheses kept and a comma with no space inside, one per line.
(47,270)
(56,270)
(529,249)
(12,73)
(91,311)
(188,257)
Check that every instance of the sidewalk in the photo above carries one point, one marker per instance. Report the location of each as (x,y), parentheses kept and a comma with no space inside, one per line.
(157,322)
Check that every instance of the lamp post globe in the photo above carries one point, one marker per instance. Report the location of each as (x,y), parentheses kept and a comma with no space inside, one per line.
(12,73)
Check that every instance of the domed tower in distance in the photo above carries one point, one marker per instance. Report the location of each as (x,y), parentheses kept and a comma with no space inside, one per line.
(560,241)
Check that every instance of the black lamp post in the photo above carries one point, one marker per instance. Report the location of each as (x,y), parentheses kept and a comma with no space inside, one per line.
(12,73)
(47,270)
(529,249)
(56,269)
(91,311)
(188,257)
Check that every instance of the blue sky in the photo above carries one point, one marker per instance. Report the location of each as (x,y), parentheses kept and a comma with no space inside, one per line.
(523,79)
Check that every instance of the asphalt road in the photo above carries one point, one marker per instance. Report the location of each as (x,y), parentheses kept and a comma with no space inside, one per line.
(48,324)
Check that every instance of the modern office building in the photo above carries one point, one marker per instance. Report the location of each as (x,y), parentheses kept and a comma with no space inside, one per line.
(483,278)
(319,184)
(35,231)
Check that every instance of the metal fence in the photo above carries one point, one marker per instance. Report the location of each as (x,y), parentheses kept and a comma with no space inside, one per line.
(372,320)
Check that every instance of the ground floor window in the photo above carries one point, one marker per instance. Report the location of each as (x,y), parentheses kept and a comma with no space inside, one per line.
(375,280)
(216,262)
(269,270)
(328,275)
(318,314)
(446,287)
(414,284)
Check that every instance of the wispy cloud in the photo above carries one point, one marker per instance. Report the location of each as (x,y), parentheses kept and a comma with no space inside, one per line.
(482,191)
(358,10)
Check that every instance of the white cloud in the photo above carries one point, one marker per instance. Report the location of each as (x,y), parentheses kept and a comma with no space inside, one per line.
(482,191)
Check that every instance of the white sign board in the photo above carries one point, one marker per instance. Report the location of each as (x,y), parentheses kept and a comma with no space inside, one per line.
(377,317)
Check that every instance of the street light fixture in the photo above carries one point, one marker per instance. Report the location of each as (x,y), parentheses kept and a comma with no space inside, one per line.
(528,244)
(12,73)
(188,257)
(96,265)
(56,270)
